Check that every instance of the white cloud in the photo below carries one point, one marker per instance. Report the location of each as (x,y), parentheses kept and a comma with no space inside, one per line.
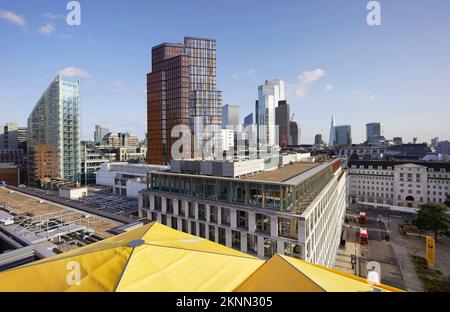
(71,72)
(300,88)
(13,18)
(119,84)
(363,95)
(329,87)
(47,30)
(248,73)
(52,16)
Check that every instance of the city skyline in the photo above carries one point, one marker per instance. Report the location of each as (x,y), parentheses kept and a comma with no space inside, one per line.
(380,80)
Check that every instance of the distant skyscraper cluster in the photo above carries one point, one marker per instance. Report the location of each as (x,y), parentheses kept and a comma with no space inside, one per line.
(339,135)
(100,133)
(269,95)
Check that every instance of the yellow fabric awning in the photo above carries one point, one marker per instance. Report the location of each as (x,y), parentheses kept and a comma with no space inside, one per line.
(158,258)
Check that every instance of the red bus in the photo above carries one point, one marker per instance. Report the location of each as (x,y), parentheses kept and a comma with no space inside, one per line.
(363,236)
(362,219)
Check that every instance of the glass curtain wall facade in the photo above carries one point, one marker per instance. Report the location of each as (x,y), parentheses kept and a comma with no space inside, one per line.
(54,134)
(269,95)
(181,89)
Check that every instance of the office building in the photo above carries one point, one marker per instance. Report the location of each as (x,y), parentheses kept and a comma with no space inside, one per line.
(9,174)
(181,90)
(269,94)
(374,131)
(125,139)
(91,160)
(54,134)
(230,116)
(332,136)
(398,140)
(295,209)
(249,120)
(318,141)
(228,139)
(13,137)
(392,152)
(100,133)
(125,179)
(443,147)
(398,183)
(342,135)
(434,142)
(282,120)
(294,132)
(13,148)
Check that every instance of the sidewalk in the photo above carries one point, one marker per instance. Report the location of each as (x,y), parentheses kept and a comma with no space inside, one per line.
(410,277)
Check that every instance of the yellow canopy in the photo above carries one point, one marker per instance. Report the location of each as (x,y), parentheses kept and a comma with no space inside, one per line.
(158,258)
(287,274)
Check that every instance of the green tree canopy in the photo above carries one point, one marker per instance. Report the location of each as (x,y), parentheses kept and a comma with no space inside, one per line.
(433,217)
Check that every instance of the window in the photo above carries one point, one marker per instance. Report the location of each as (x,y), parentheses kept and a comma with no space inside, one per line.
(224,193)
(198,188)
(212,233)
(273,194)
(225,216)
(158,203)
(255,196)
(292,250)
(236,239)
(191,210)
(169,206)
(262,223)
(202,230)
(202,212)
(164,219)
(288,228)
(210,189)
(239,194)
(145,201)
(184,225)
(252,244)
(193,228)
(242,219)
(213,216)
(222,236)
(174,223)
(181,210)
(270,247)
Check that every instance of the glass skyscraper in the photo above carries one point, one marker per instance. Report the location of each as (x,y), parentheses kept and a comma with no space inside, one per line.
(181,89)
(269,94)
(54,134)
(343,135)
(230,116)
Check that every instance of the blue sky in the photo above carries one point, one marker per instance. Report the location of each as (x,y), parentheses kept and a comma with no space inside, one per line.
(333,62)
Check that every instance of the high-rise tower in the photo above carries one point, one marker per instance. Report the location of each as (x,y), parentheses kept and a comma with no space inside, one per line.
(332,132)
(181,90)
(54,134)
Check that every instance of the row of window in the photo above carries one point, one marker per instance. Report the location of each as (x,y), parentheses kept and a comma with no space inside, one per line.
(209,232)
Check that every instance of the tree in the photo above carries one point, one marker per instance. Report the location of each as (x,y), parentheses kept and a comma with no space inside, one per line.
(447,202)
(433,217)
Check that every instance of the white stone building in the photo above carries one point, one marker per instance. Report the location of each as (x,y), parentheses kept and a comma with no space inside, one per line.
(398,183)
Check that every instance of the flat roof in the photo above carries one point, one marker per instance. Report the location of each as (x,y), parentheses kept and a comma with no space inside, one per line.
(285,173)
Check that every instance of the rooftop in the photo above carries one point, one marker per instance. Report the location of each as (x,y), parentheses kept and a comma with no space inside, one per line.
(21,204)
(284,174)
